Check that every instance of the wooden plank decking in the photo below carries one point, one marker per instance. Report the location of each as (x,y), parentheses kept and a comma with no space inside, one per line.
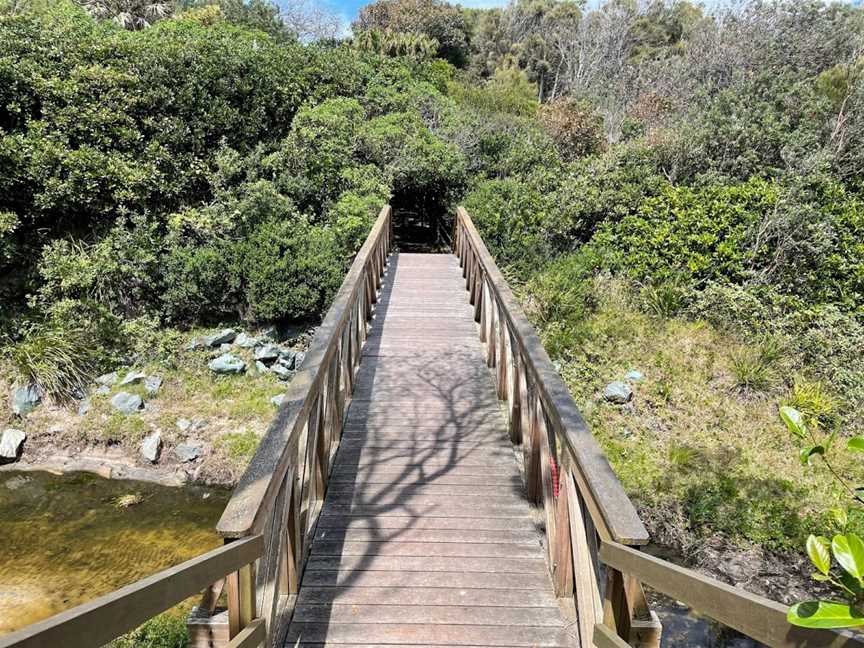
(425,538)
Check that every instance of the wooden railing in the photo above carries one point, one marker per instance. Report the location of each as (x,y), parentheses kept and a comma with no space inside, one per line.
(281,493)
(592,529)
(97,622)
(270,518)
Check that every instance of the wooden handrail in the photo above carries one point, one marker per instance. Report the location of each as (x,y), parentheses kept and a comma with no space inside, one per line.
(254,494)
(611,509)
(751,614)
(97,622)
(281,493)
(589,518)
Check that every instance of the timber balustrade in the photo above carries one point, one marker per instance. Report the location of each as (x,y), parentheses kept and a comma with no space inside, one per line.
(592,530)
(270,518)
(97,622)
(281,493)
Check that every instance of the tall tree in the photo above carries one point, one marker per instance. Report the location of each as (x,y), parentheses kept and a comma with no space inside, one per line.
(432,18)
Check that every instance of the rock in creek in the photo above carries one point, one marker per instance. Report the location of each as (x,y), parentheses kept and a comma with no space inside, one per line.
(151,447)
(227,363)
(11,445)
(25,399)
(618,393)
(267,352)
(222,337)
(127,403)
(188,451)
(152,384)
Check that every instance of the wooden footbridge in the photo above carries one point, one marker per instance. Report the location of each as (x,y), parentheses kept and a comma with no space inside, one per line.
(428,481)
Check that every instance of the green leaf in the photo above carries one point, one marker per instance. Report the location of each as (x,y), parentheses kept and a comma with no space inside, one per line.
(794,421)
(824,614)
(856,444)
(822,578)
(849,552)
(818,548)
(841,519)
(806,454)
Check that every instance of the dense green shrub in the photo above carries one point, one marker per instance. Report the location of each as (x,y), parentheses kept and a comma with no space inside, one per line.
(511,216)
(698,234)
(427,172)
(289,269)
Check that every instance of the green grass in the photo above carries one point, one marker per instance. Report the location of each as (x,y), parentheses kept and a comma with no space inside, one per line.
(699,455)
(168,630)
(240,446)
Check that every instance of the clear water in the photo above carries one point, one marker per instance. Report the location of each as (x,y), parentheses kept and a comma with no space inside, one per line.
(66,539)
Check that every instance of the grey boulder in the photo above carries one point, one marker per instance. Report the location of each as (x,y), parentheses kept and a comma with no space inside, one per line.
(270,334)
(25,399)
(84,407)
(245,341)
(281,371)
(188,451)
(107,379)
(635,376)
(11,445)
(133,378)
(288,358)
(227,363)
(152,384)
(299,357)
(222,337)
(618,393)
(127,403)
(104,390)
(267,352)
(261,367)
(151,447)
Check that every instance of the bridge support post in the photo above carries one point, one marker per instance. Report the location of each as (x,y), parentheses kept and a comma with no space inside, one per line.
(626,610)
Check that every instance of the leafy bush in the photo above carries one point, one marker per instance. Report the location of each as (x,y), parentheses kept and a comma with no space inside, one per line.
(701,235)
(511,215)
(575,127)
(291,269)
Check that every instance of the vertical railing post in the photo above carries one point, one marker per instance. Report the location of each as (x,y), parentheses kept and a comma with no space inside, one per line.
(241,598)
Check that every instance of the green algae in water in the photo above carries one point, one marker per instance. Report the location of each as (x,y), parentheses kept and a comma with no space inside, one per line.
(67,539)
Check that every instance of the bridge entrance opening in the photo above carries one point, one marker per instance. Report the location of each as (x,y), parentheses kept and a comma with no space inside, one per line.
(420,227)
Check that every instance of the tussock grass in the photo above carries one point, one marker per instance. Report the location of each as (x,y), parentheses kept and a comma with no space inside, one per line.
(59,362)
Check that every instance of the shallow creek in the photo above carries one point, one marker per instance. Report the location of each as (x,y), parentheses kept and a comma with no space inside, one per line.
(65,539)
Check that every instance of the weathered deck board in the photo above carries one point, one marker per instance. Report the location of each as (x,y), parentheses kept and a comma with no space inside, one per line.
(425,538)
